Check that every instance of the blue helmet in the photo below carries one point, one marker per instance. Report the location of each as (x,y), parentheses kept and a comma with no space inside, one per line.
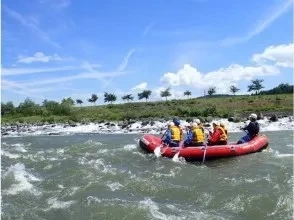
(176,121)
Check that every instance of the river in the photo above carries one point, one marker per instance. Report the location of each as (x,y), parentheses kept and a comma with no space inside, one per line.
(107,176)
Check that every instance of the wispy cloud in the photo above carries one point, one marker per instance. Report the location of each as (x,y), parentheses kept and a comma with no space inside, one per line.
(32,25)
(38,57)
(262,25)
(147,29)
(57,3)
(122,66)
(25,71)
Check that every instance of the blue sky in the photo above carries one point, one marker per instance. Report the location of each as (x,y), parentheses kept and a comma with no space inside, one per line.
(53,49)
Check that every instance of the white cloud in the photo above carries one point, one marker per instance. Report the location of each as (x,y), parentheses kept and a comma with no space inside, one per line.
(139,87)
(221,78)
(147,29)
(281,55)
(262,25)
(38,57)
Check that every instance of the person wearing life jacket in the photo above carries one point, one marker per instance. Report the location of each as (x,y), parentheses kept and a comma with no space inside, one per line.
(218,136)
(200,125)
(177,123)
(172,136)
(252,129)
(195,137)
(224,127)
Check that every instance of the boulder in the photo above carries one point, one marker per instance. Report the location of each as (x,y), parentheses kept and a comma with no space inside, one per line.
(231,119)
(260,116)
(144,123)
(274,118)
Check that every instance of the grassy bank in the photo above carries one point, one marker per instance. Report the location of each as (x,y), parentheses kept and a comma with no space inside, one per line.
(197,107)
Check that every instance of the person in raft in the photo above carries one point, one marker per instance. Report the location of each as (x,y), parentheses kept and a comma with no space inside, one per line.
(224,127)
(200,125)
(218,136)
(252,129)
(177,123)
(172,136)
(195,136)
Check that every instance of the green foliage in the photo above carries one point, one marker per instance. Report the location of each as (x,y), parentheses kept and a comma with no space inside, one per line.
(187,93)
(255,86)
(127,97)
(144,95)
(79,101)
(283,88)
(109,97)
(165,93)
(211,91)
(68,101)
(7,108)
(234,89)
(93,99)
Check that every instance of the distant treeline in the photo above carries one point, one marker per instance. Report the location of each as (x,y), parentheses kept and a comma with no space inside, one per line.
(200,106)
(283,88)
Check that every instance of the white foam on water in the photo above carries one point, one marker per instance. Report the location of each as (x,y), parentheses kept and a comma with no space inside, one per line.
(130,147)
(114,186)
(23,179)
(93,199)
(172,173)
(60,151)
(60,186)
(48,167)
(156,128)
(73,190)
(236,205)
(55,204)
(94,142)
(98,164)
(154,210)
(279,155)
(9,155)
(284,204)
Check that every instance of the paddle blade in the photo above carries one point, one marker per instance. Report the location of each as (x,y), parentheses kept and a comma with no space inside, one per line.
(157,151)
(176,157)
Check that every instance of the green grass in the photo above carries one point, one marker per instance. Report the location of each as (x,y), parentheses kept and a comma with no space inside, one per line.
(196,107)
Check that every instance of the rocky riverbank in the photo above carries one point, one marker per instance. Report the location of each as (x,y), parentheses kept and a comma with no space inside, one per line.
(149,126)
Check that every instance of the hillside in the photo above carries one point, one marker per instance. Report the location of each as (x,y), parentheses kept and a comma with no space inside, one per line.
(224,106)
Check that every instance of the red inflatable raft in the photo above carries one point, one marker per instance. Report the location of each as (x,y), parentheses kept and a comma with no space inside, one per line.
(150,142)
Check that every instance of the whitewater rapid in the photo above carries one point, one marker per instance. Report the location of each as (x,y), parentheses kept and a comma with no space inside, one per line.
(150,127)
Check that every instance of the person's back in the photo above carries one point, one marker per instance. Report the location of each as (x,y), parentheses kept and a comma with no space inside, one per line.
(177,123)
(218,137)
(224,127)
(176,135)
(252,129)
(197,135)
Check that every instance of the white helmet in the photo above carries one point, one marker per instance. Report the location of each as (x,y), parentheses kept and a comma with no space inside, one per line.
(216,123)
(197,121)
(194,125)
(171,124)
(254,116)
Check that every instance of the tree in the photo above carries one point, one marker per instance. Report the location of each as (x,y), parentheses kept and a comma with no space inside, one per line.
(234,89)
(7,108)
(29,107)
(255,86)
(187,93)
(165,93)
(68,101)
(211,91)
(127,97)
(79,101)
(93,99)
(144,95)
(109,97)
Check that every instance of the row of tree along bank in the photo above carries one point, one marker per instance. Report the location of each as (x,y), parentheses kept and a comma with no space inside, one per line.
(213,105)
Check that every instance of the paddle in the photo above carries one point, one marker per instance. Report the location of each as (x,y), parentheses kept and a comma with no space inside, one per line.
(205,146)
(157,150)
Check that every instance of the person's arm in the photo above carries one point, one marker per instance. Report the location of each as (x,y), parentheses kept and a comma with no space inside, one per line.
(168,136)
